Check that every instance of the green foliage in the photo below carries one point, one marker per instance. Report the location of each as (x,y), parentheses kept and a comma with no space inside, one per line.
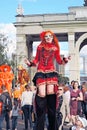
(3,49)
(2,55)
(63,79)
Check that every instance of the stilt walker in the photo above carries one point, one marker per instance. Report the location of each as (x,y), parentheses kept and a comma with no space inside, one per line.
(46,78)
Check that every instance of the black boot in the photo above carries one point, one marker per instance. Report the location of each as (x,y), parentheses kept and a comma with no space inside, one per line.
(51,106)
(40,111)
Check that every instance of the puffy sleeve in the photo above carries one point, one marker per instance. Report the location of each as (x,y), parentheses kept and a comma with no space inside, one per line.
(36,59)
(58,57)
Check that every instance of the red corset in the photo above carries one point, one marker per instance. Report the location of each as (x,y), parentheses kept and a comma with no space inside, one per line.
(45,56)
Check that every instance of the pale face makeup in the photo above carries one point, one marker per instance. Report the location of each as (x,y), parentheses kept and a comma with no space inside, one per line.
(48,37)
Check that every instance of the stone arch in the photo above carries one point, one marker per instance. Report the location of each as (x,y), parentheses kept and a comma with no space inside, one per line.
(71,27)
(80,41)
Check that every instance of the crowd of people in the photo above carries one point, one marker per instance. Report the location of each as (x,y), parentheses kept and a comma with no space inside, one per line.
(51,103)
(71,107)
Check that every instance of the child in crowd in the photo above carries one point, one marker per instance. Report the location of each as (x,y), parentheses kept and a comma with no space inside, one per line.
(80,123)
(14,115)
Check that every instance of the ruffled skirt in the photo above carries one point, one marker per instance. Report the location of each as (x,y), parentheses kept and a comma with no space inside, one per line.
(45,78)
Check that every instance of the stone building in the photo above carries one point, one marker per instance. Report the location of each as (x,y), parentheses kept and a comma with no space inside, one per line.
(69,27)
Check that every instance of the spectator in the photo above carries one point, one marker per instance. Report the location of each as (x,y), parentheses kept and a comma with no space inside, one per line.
(80,123)
(6,112)
(61,107)
(34,90)
(71,85)
(1,113)
(84,103)
(76,98)
(26,103)
(16,94)
(14,115)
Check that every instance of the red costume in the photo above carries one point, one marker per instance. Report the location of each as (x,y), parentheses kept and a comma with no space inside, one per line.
(46,75)
(45,56)
(6,77)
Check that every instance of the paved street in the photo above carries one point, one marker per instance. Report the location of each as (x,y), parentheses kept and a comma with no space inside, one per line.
(21,125)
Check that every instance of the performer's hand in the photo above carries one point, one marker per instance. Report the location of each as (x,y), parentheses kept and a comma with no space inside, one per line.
(27,62)
(65,60)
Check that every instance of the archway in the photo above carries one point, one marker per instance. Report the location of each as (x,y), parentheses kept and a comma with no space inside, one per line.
(80,45)
(71,27)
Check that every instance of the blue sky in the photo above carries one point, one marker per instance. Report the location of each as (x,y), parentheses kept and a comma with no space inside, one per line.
(8,7)
(8,11)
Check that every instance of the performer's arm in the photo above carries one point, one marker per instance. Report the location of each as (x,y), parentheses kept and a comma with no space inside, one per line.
(58,57)
(60,60)
(35,61)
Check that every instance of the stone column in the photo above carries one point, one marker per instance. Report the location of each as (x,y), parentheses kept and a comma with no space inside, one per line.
(21,49)
(30,56)
(74,62)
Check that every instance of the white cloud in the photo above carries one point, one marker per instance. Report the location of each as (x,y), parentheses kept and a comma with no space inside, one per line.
(7,28)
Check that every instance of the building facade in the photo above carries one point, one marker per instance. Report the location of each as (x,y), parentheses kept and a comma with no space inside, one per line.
(69,27)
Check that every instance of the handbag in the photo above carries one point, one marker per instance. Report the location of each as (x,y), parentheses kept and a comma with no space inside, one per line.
(59,115)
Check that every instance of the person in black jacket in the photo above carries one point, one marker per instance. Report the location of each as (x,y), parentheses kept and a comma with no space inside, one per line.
(84,102)
(7,106)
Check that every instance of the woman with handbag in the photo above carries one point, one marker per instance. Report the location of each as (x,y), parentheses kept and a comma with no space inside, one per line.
(84,102)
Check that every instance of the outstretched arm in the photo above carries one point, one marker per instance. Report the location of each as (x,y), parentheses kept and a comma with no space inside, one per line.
(36,59)
(66,59)
(60,60)
(29,63)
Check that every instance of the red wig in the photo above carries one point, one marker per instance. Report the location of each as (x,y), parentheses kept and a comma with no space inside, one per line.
(55,39)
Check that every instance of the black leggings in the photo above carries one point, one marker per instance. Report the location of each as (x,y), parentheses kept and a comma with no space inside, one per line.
(42,104)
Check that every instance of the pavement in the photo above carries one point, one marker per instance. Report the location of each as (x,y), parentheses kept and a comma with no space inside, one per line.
(21,125)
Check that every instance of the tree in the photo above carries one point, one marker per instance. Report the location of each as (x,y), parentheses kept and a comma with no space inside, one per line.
(3,49)
(63,79)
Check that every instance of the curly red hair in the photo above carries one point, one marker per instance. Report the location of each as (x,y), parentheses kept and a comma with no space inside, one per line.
(55,39)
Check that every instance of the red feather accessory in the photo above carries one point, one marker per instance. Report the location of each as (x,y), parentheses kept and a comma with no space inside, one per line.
(42,34)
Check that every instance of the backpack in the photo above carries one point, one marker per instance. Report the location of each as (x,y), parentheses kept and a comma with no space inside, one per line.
(5,102)
(8,103)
